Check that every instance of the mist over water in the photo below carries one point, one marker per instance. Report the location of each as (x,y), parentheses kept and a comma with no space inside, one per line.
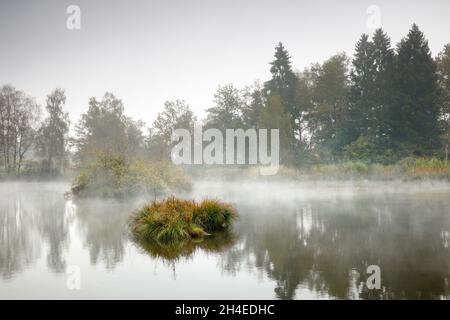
(294,240)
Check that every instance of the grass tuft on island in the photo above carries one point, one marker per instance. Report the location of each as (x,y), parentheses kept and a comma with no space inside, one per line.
(177,220)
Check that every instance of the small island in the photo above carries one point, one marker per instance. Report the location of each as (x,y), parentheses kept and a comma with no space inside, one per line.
(176,220)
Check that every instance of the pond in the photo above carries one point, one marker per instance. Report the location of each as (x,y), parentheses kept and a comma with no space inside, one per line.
(294,240)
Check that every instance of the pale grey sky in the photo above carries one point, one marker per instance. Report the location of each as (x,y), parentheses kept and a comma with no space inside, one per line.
(147,52)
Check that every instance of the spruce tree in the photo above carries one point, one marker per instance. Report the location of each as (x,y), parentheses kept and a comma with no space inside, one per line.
(382,95)
(361,92)
(283,82)
(416,112)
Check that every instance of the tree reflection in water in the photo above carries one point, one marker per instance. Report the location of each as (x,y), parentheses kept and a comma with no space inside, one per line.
(326,246)
(318,245)
(29,218)
(104,227)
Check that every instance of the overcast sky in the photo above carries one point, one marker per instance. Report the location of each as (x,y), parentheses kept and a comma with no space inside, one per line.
(147,52)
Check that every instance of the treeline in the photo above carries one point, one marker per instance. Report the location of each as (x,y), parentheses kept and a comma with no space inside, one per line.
(383,105)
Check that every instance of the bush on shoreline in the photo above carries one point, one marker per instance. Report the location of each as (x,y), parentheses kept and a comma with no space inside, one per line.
(177,220)
(115,176)
(405,169)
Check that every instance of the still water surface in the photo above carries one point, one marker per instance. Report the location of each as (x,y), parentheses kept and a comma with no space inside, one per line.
(292,241)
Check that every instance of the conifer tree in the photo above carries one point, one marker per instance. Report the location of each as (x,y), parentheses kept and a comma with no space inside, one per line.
(284,82)
(416,112)
(361,92)
(380,119)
